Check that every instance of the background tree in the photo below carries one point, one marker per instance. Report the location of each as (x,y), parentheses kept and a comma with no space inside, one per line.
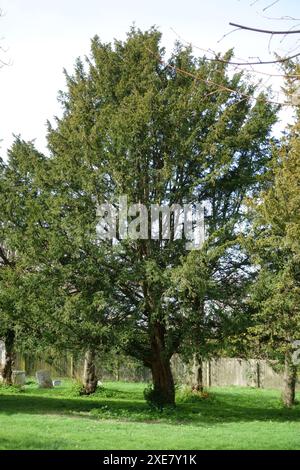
(275,247)
(56,297)
(17,199)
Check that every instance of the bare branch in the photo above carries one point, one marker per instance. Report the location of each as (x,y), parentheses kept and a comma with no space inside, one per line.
(282,39)
(280,18)
(269,44)
(269,6)
(227,34)
(241,62)
(266,31)
(260,62)
(292,49)
(219,88)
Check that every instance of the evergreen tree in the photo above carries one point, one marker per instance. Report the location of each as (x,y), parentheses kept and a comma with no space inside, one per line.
(50,294)
(276,252)
(135,125)
(17,201)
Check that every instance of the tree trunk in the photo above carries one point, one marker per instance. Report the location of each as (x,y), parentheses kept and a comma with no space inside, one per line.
(208,373)
(9,342)
(89,373)
(72,368)
(258,384)
(161,367)
(289,382)
(198,368)
(118,369)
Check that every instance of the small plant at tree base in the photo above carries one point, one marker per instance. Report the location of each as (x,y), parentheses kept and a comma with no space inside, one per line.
(11,388)
(187,395)
(30,382)
(77,389)
(155,399)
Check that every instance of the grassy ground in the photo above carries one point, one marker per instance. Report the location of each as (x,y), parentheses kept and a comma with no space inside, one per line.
(118,418)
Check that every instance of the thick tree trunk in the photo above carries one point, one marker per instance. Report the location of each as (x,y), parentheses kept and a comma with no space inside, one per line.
(289,382)
(89,373)
(161,367)
(9,342)
(198,371)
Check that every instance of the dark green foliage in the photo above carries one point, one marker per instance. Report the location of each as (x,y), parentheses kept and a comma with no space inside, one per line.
(155,398)
(134,125)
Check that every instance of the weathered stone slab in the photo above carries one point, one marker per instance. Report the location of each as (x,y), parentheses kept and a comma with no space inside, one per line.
(56,383)
(2,353)
(18,377)
(44,379)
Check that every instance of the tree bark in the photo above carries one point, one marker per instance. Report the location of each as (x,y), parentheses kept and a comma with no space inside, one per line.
(208,373)
(90,379)
(289,382)
(9,342)
(198,369)
(72,368)
(258,384)
(118,369)
(161,367)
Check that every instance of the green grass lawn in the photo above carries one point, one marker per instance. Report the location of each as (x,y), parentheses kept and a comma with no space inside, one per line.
(118,418)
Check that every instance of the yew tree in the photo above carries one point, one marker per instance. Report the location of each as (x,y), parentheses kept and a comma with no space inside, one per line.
(50,294)
(274,244)
(18,197)
(160,130)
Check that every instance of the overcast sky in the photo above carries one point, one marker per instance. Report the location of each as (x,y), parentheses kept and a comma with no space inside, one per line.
(43,37)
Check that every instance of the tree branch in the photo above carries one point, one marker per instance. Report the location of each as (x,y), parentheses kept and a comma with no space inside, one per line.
(266,31)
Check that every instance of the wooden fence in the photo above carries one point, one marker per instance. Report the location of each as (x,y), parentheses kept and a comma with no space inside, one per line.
(216,372)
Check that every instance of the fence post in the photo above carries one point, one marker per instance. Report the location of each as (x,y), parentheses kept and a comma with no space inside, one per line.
(258,374)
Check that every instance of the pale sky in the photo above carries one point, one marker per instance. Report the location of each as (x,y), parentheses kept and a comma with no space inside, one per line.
(41,37)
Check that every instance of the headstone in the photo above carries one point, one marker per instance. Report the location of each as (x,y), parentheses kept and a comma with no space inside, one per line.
(2,353)
(44,379)
(18,377)
(56,383)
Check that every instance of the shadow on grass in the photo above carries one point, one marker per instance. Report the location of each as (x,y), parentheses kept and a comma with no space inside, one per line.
(29,443)
(225,407)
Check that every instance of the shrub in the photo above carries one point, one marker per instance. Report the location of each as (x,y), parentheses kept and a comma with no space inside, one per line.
(76,389)
(186,395)
(11,388)
(155,399)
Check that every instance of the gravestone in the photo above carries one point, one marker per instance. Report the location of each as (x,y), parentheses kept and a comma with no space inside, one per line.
(44,379)
(2,353)
(18,377)
(56,383)
(2,358)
